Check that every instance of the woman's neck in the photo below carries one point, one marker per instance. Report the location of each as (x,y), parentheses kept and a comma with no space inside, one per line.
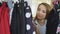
(41,21)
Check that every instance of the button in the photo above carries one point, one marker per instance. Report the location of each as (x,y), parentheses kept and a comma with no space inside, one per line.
(28,15)
(28,27)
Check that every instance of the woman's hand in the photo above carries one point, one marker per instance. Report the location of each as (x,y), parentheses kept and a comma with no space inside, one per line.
(36,29)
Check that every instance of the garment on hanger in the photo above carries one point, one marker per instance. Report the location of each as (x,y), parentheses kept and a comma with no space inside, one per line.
(4,19)
(15,19)
(58,10)
(29,29)
(17,22)
(11,6)
(53,20)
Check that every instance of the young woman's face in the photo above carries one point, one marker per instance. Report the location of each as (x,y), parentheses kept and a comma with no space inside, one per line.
(41,13)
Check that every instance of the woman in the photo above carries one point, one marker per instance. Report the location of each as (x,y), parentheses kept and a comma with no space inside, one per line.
(41,18)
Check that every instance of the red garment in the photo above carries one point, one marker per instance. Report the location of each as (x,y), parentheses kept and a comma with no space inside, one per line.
(4,19)
(55,2)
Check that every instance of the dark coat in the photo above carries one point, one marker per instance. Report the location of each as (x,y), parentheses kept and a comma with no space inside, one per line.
(17,22)
(52,22)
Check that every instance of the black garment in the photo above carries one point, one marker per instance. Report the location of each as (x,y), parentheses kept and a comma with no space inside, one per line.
(53,20)
(17,22)
(29,29)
